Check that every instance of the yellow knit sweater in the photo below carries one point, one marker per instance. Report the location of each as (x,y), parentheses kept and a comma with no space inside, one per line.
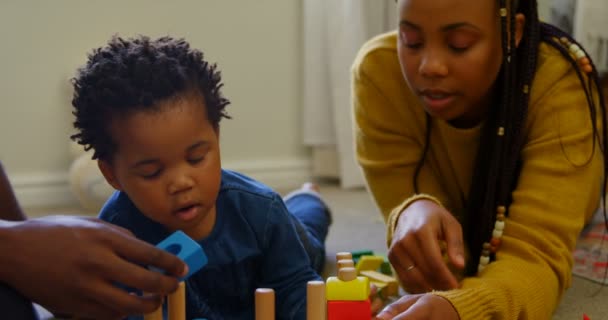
(557,192)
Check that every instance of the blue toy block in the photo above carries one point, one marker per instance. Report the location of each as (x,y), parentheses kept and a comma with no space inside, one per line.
(186,249)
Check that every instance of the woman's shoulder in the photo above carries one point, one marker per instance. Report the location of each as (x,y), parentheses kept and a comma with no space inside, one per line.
(378,53)
(558,102)
(553,70)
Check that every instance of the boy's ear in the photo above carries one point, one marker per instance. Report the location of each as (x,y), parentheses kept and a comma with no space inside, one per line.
(108,172)
(520,24)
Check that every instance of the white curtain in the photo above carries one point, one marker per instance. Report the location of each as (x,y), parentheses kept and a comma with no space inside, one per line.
(334,30)
(591,30)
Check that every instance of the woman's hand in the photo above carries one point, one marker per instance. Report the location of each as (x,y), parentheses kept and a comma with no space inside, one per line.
(416,252)
(419,306)
(71,265)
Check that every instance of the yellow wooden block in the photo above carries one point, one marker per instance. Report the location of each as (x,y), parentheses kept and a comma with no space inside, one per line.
(355,290)
(369,263)
(392,286)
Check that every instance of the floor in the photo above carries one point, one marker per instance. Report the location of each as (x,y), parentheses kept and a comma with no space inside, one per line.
(358,225)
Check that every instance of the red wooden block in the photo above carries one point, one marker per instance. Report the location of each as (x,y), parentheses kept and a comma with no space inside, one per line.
(349,310)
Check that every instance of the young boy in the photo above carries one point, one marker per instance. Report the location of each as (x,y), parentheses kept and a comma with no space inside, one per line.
(150,110)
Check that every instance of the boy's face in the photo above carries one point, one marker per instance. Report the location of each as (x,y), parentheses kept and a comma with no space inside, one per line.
(168,163)
(450,53)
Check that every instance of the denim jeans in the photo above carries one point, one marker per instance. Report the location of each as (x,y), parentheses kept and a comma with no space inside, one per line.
(312,218)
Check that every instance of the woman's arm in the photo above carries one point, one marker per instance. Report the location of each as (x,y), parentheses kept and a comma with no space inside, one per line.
(558,189)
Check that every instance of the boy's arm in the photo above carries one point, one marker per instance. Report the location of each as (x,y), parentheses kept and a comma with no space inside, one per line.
(286,266)
(9,208)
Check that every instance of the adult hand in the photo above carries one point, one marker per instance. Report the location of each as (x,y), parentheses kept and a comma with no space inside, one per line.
(70,265)
(420,306)
(416,252)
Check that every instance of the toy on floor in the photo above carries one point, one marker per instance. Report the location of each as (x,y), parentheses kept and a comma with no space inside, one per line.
(194,256)
(264,304)
(176,306)
(347,294)
(186,249)
(342,297)
(385,266)
(345,297)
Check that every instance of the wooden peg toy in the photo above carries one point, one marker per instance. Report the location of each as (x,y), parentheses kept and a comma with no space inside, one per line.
(316,304)
(264,304)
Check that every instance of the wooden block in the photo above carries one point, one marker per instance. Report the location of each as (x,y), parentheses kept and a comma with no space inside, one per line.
(349,310)
(347,274)
(358,254)
(316,305)
(345,263)
(392,285)
(176,303)
(369,263)
(179,244)
(155,315)
(344,256)
(264,304)
(354,290)
(385,268)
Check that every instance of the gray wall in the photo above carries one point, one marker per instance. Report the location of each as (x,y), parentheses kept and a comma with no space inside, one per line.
(257,45)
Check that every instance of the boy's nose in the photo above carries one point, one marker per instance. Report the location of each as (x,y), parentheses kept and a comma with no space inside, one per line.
(180,184)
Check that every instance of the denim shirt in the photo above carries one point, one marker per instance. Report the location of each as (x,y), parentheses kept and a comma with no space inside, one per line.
(253,245)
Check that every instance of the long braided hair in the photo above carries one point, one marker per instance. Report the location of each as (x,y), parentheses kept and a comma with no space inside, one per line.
(498,158)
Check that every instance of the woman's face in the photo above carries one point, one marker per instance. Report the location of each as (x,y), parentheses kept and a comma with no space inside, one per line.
(450,54)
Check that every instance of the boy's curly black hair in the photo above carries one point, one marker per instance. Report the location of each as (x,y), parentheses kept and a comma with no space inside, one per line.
(138,74)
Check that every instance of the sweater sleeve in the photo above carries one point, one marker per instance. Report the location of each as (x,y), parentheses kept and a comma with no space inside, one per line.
(557,191)
(389,137)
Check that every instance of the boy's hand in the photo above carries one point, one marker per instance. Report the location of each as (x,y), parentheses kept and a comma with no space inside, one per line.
(70,266)
(415,252)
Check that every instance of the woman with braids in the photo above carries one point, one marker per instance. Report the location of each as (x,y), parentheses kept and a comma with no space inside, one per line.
(481,135)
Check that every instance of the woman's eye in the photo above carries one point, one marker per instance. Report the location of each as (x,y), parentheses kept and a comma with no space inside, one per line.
(458,49)
(460,42)
(411,39)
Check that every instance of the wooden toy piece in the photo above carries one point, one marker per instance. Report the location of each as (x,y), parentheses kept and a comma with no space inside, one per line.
(264,304)
(385,268)
(316,305)
(346,263)
(347,274)
(176,303)
(369,263)
(186,249)
(155,315)
(347,286)
(359,253)
(344,256)
(349,310)
(390,286)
